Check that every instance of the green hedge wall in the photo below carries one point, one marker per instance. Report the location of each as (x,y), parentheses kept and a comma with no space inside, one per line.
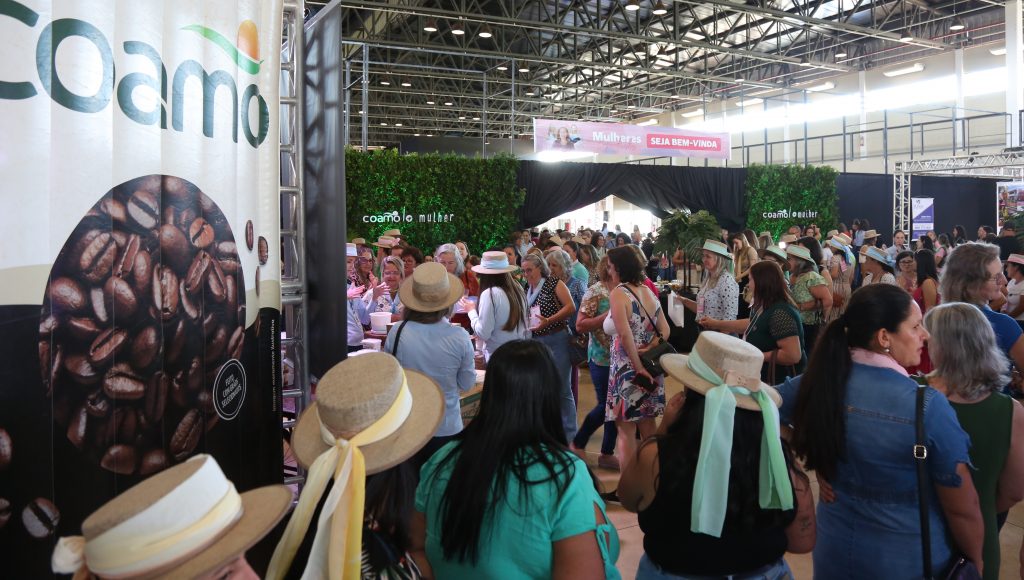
(474,200)
(774,189)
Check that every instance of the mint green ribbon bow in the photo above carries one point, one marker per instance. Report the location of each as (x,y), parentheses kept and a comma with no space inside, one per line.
(711,482)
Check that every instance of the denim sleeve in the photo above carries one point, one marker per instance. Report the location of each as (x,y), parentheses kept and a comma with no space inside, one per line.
(467,370)
(788,390)
(948,443)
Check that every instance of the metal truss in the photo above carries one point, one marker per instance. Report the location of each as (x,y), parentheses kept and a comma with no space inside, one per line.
(1006,165)
(594,60)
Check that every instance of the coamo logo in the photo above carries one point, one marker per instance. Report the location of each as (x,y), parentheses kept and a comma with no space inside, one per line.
(244,54)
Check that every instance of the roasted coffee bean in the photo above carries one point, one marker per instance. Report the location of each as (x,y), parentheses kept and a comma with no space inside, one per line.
(126,261)
(53,366)
(205,402)
(156,396)
(84,329)
(44,359)
(189,305)
(144,209)
(121,385)
(81,370)
(178,191)
(216,344)
(227,257)
(200,233)
(78,427)
(194,375)
(119,459)
(127,425)
(175,342)
(145,347)
(264,251)
(40,518)
(5,512)
(181,217)
(186,435)
(231,300)
(216,283)
(97,404)
(120,238)
(98,258)
(67,296)
(48,325)
(154,461)
(106,345)
(142,272)
(123,297)
(114,209)
(178,391)
(101,306)
(197,272)
(165,292)
(236,342)
(257,280)
(6,449)
(249,235)
(174,247)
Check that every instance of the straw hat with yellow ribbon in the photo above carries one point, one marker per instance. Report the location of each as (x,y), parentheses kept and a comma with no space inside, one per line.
(727,371)
(184,522)
(361,423)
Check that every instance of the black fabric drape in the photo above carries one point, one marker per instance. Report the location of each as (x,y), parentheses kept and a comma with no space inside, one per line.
(553,189)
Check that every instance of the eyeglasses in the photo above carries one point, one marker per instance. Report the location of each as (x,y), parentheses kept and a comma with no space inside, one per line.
(906,262)
(528,270)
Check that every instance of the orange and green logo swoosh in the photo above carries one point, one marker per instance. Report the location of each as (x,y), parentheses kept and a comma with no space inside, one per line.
(244,54)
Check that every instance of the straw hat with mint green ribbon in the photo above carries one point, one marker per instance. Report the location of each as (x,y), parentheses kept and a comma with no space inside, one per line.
(801,253)
(716,247)
(727,371)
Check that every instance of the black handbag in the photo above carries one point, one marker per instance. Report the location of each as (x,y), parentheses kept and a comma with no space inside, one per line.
(651,359)
(962,568)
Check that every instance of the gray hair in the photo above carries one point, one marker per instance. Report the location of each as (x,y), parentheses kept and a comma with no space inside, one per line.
(964,351)
(460,266)
(538,262)
(561,257)
(715,273)
(966,271)
(397,263)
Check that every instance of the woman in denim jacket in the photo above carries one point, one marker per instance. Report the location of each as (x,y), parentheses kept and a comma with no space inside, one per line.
(854,425)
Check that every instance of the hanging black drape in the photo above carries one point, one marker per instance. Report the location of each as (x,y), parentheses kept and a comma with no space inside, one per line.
(553,189)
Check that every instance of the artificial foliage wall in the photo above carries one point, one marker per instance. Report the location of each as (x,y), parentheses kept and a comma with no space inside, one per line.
(780,196)
(432,198)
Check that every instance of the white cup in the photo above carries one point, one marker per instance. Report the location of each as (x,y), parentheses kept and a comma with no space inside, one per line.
(379,321)
(371,344)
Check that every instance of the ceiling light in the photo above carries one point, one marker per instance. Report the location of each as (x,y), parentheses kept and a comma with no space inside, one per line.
(502,67)
(659,9)
(914,68)
(749,102)
(430,102)
(905,36)
(524,69)
(631,106)
(386,83)
(406,84)
(448,103)
(430,134)
(998,51)
(476,118)
(529,93)
(462,118)
(383,124)
(485,32)
(693,113)
(360,111)
(957,25)
(415,134)
(739,79)
(430,25)
(398,124)
(822,87)
(487,142)
(647,123)
(458,29)
(632,5)
(805,62)
(841,52)
(613,110)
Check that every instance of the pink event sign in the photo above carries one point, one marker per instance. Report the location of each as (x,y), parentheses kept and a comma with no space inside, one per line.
(623,139)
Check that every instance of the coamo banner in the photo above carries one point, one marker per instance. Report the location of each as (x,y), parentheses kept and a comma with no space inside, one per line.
(623,139)
(139,253)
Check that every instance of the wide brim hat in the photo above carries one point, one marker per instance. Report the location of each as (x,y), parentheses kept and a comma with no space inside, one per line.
(801,253)
(1016,259)
(723,353)
(842,239)
(359,241)
(393,233)
(556,240)
(870,234)
(430,288)
(879,255)
(351,251)
(262,509)
(494,263)
(385,242)
(831,234)
(788,239)
(579,240)
(353,395)
(775,251)
(716,247)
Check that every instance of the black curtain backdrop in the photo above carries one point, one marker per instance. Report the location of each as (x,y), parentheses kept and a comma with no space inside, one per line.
(966,201)
(553,189)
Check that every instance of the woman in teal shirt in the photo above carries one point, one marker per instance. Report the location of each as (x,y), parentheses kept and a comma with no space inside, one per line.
(507,499)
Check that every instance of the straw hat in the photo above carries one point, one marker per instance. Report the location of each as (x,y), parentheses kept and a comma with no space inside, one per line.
(579,240)
(351,251)
(557,240)
(359,241)
(870,234)
(355,394)
(393,233)
(777,252)
(430,288)
(716,247)
(769,234)
(879,255)
(163,505)
(800,252)
(494,263)
(1016,259)
(732,359)
(385,242)
(831,234)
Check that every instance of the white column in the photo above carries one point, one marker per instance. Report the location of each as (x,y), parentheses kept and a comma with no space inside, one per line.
(725,115)
(863,83)
(787,153)
(1014,65)
(958,70)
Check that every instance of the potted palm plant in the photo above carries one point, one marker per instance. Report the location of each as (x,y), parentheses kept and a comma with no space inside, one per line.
(686,231)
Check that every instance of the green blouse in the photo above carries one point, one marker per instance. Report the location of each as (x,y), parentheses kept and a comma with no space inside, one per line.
(801,288)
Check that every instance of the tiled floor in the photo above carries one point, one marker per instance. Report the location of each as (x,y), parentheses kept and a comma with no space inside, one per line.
(631,537)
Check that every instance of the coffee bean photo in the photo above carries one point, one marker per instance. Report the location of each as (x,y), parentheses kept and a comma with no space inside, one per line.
(264,251)
(6,449)
(40,518)
(146,302)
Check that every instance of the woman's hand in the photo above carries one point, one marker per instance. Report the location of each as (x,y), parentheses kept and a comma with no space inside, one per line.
(467,305)
(355,292)
(708,323)
(380,289)
(542,322)
(642,372)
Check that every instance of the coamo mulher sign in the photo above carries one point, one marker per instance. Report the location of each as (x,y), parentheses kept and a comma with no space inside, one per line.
(624,139)
(139,253)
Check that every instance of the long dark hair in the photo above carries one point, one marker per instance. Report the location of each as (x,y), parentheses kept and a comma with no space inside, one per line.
(516,297)
(677,468)
(518,426)
(926,266)
(813,247)
(819,420)
(959,235)
(769,284)
(389,504)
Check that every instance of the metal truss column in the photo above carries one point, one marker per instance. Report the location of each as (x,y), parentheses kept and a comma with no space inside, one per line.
(294,303)
(901,198)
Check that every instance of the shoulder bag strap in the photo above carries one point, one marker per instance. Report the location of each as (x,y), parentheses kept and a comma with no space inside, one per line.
(920,459)
(398,336)
(654,322)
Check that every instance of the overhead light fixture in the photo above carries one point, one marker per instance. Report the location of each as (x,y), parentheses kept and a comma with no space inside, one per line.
(822,87)
(386,83)
(383,124)
(430,102)
(957,25)
(841,52)
(613,110)
(805,62)
(529,93)
(476,118)
(905,36)
(914,68)
(647,123)
(415,134)
(749,102)
(524,69)
(430,134)
(485,32)
(462,117)
(360,111)
(458,29)
(406,84)
(632,5)
(998,51)
(448,103)
(739,79)
(398,124)
(631,106)
(659,9)
(502,67)
(430,25)
(693,113)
